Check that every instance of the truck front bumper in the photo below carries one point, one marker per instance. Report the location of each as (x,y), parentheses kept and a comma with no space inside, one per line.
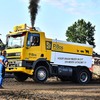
(20,69)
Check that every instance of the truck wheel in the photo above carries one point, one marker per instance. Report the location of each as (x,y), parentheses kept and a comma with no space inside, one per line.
(40,74)
(20,76)
(83,76)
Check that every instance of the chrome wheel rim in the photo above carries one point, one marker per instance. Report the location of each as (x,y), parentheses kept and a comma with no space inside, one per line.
(83,77)
(41,74)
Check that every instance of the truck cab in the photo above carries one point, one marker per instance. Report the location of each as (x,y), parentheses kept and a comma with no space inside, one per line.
(24,46)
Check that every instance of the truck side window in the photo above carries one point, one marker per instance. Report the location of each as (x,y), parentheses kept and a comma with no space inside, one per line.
(36,41)
(33,39)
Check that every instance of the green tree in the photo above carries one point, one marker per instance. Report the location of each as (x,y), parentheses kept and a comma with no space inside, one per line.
(81,32)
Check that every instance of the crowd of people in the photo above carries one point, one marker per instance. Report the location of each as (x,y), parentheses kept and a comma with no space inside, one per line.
(97,61)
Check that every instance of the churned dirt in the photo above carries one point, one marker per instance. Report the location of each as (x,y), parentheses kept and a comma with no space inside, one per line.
(50,90)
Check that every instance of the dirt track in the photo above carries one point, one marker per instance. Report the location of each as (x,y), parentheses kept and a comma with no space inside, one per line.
(50,90)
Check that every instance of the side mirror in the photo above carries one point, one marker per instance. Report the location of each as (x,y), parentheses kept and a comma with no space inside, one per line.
(28,47)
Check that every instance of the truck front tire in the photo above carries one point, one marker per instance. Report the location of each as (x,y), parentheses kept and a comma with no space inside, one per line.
(40,74)
(83,76)
(20,76)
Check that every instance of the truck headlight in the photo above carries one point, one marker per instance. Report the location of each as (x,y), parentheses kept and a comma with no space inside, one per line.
(19,63)
(18,54)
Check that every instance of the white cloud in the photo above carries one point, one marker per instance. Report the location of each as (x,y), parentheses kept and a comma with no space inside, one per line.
(24,0)
(59,3)
(75,7)
(73,11)
(77,11)
(95,3)
(74,3)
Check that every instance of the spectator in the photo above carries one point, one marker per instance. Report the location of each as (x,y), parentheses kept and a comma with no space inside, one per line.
(96,61)
(3,65)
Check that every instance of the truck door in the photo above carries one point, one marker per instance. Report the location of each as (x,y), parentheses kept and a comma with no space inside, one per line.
(33,46)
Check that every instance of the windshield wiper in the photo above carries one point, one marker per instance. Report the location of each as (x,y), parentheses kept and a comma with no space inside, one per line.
(16,46)
(9,47)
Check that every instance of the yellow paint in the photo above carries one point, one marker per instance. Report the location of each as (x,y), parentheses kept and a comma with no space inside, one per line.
(20,69)
(19,27)
(71,48)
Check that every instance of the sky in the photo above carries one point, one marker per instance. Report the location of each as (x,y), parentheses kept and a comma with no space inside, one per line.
(53,18)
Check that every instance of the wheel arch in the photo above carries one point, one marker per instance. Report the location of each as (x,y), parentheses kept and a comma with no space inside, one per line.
(82,67)
(42,62)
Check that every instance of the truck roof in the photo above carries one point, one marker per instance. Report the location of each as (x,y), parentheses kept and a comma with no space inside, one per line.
(73,43)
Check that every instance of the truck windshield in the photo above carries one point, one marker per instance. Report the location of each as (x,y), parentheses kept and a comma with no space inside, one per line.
(15,41)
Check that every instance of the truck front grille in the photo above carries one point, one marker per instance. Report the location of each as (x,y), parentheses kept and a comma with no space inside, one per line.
(13,55)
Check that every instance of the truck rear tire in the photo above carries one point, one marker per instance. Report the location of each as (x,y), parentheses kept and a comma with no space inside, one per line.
(20,76)
(40,74)
(83,76)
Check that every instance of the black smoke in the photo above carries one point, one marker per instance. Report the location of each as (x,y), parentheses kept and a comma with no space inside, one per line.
(33,9)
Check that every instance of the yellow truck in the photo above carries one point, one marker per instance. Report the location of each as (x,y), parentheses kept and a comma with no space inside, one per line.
(31,54)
